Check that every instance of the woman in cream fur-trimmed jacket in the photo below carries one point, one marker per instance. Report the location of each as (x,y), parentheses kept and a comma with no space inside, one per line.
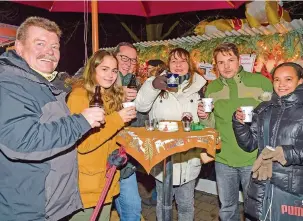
(170,106)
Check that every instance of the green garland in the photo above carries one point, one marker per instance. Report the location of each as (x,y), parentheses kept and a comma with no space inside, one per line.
(290,43)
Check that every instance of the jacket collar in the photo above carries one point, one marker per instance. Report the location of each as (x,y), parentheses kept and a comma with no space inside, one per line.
(11,58)
(293,98)
(197,84)
(236,78)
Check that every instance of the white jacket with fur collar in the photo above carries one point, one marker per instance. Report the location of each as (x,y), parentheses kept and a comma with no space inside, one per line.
(186,165)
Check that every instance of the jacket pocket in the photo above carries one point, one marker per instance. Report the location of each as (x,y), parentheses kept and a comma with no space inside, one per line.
(253,204)
(91,180)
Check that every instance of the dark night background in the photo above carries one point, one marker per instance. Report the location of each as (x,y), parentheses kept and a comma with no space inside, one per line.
(111,31)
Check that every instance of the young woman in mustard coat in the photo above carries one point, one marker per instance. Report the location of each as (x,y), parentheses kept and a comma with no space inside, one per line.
(95,148)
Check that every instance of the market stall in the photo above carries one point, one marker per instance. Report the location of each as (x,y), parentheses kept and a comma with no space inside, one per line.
(261,48)
(267,46)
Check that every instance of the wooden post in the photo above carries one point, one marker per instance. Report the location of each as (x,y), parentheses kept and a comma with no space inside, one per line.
(95,28)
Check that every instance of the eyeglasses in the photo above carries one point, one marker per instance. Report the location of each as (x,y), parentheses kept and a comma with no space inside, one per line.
(127,59)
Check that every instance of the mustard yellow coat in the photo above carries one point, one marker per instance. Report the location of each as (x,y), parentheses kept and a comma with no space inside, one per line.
(93,151)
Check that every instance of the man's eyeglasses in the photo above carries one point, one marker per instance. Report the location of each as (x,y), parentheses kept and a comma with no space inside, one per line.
(127,59)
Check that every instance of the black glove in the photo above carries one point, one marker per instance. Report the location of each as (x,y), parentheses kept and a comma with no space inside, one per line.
(117,159)
(127,171)
(160,82)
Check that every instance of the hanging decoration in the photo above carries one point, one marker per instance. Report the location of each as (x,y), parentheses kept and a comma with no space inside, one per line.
(265,13)
(258,13)
(270,50)
(220,25)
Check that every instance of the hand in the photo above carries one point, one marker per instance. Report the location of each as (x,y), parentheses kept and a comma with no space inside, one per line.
(117,158)
(262,169)
(127,114)
(264,172)
(94,116)
(160,82)
(201,114)
(130,94)
(240,116)
(205,158)
(276,155)
(258,162)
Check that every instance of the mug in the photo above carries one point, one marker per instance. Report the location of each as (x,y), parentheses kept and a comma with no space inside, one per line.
(172,80)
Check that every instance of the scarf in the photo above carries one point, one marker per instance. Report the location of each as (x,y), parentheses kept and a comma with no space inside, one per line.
(49,77)
(184,78)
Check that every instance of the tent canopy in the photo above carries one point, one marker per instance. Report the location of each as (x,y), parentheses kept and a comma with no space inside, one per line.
(142,8)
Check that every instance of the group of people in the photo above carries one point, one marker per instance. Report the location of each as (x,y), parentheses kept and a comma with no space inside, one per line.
(54,148)
(264,156)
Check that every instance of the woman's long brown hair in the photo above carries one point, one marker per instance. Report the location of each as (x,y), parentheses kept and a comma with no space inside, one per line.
(113,95)
(182,53)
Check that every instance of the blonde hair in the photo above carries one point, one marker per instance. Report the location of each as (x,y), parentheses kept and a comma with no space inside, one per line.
(113,95)
(37,22)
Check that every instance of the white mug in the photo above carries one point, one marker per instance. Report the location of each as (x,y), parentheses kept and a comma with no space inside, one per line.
(207,104)
(247,111)
(128,104)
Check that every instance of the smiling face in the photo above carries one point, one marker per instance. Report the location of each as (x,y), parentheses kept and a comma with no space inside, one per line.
(107,72)
(40,49)
(227,64)
(285,80)
(178,64)
(127,59)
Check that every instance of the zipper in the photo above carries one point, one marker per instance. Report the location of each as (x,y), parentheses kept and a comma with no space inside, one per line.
(290,175)
(278,125)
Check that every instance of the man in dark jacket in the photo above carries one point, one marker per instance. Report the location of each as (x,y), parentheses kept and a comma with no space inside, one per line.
(38,164)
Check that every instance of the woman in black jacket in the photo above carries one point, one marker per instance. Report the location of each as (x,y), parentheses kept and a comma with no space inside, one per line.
(275,191)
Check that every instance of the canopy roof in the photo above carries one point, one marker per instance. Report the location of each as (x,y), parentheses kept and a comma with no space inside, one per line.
(281,28)
(144,8)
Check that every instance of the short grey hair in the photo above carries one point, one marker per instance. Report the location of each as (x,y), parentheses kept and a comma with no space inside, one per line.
(37,22)
(127,44)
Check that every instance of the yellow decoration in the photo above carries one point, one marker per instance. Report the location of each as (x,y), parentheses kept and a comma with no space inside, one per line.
(257,13)
(223,25)
(264,13)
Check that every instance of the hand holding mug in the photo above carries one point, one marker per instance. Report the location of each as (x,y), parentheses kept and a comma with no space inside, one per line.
(201,113)
(127,114)
(160,82)
(240,115)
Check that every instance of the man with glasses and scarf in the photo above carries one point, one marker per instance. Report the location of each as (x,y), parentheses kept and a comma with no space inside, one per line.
(128,203)
(126,54)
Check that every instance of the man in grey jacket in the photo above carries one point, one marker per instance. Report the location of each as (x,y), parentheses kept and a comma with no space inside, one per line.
(38,161)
